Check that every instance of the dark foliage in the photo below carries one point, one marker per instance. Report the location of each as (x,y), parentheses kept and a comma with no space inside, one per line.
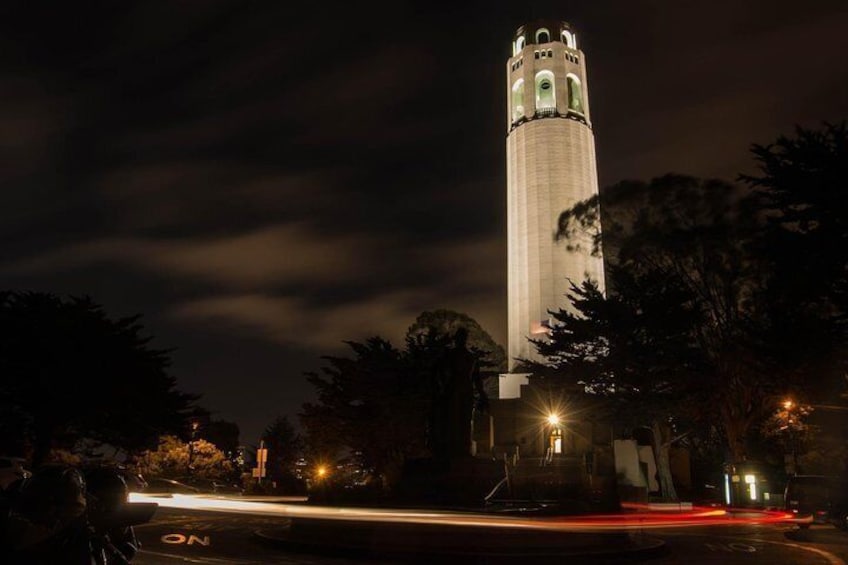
(729,296)
(284,446)
(222,433)
(446,322)
(70,372)
(389,405)
(374,403)
(803,182)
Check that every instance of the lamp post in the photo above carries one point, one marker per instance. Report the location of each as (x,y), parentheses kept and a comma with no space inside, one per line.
(194,426)
(788,405)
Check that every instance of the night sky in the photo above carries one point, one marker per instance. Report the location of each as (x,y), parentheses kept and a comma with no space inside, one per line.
(262,182)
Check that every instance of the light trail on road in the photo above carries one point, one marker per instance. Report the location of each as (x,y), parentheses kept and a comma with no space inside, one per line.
(639,520)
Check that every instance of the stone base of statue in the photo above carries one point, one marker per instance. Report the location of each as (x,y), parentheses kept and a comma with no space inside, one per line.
(458,482)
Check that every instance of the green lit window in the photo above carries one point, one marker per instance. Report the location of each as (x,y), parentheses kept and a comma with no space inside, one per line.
(575,94)
(545,92)
(518,100)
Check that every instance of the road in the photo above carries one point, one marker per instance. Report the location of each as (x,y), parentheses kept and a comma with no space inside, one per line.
(754,544)
(204,536)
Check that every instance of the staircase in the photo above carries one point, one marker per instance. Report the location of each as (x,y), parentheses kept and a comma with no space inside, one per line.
(544,479)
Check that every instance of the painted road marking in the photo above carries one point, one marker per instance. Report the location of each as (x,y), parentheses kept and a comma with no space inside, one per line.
(191,539)
(733,547)
(830,558)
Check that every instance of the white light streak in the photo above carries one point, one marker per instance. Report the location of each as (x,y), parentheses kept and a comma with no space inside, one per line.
(607,522)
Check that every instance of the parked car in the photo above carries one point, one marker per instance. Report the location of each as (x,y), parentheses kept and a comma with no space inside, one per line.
(838,514)
(135,482)
(169,486)
(212,486)
(11,470)
(821,497)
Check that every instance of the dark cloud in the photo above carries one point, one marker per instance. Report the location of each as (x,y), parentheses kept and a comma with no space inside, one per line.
(689,86)
(263,181)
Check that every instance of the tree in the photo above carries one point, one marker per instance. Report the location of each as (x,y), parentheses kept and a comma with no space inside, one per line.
(632,349)
(223,433)
(71,372)
(764,266)
(175,458)
(752,278)
(284,446)
(694,243)
(384,403)
(802,183)
(446,322)
(374,403)
(789,426)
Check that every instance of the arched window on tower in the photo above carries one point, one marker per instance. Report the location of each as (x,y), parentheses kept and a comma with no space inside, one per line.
(545,94)
(518,45)
(543,36)
(575,94)
(568,39)
(518,100)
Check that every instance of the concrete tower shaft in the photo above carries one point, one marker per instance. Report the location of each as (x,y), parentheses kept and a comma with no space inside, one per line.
(550,167)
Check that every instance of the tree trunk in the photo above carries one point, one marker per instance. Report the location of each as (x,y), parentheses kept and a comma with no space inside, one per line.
(661,449)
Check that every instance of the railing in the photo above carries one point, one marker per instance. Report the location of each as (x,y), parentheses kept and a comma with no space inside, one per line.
(545,112)
(549,113)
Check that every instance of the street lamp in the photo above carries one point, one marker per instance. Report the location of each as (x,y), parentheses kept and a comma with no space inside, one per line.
(194,425)
(554,436)
(788,405)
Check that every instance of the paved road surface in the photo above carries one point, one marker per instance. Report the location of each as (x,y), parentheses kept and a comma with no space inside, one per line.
(204,537)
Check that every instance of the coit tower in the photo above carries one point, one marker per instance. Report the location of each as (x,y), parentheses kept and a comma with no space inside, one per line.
(550,150)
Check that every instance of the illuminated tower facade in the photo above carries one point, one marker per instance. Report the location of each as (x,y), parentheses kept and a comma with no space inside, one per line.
(551,166)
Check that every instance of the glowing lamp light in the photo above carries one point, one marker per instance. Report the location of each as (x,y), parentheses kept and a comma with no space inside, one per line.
(553,419)
(751,481)
(322,471)
(787,404)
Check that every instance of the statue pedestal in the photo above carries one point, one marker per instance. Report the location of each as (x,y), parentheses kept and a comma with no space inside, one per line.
(462,481)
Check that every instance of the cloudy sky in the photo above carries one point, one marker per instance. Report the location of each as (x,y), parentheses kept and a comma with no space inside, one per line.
(263,181)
